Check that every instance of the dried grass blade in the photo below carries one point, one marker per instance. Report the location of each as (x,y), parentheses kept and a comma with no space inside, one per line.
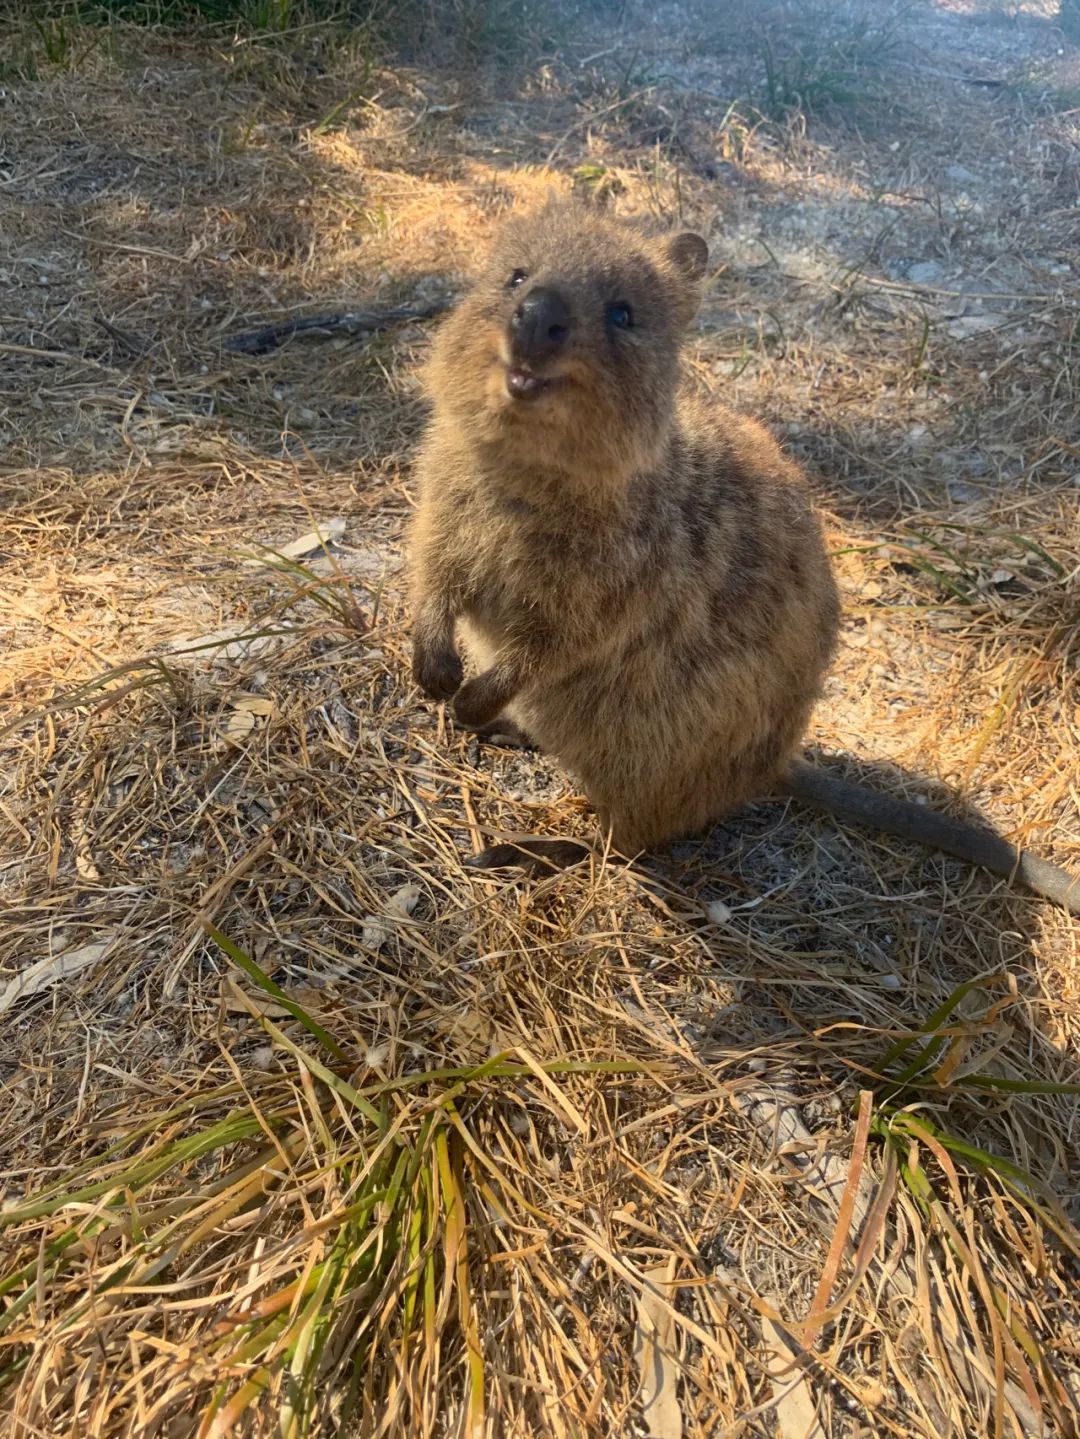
(844,1219)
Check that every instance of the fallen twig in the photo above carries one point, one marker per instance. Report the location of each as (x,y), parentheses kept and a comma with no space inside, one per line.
(350,322)
(993,82)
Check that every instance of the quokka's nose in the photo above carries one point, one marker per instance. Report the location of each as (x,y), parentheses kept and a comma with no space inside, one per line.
(540,325)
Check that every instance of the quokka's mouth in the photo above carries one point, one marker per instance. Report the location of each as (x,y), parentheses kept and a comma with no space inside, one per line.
(522,384)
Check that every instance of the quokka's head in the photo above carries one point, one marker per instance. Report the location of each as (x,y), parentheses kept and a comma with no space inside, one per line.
(565,352)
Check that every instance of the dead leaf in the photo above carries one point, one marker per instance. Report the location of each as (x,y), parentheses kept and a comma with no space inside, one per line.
(965,327)
(241,1002)
(328,533)
(239,725)
(85,867)
(231,643)
(850,567)
(253,704)
(793,1401)
(654,1354)
(379,928)
(246,709)
(53,969)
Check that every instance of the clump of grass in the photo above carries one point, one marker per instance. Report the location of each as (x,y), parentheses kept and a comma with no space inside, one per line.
(264,15)
(819,58)
(55,40)
(928,1072)
(451,30)
(327,1319)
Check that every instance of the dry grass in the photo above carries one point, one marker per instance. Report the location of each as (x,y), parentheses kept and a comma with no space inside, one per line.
(307,1129)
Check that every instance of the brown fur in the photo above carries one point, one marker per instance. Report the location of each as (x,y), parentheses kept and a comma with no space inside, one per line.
(637,576)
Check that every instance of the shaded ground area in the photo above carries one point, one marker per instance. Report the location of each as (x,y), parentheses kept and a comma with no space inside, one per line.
(566,1158)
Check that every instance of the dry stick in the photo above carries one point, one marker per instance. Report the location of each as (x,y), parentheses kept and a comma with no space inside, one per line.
(912,287)
(351,322)
(66,356)
(992,81)
(149,250)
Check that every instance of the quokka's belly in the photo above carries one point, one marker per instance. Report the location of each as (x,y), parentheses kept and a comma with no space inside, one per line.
(479,642)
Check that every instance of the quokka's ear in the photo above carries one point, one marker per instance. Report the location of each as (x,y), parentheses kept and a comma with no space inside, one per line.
(689,254)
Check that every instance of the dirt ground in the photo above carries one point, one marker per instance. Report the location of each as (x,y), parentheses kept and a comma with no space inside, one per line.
(826,1068)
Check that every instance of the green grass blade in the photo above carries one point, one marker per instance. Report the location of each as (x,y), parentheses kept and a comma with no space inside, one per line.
(265,983)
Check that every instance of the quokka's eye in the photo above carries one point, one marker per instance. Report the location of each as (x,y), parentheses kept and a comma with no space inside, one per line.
(619,316)
(516,279)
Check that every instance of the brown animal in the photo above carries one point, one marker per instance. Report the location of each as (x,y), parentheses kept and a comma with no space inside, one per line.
(637,576)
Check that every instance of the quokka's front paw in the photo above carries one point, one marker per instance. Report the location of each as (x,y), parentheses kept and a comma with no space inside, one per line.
(477,703)
(438,671)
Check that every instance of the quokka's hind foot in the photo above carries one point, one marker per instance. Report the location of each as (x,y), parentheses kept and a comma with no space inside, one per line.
(502,732)
(541,858)
(533,855)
